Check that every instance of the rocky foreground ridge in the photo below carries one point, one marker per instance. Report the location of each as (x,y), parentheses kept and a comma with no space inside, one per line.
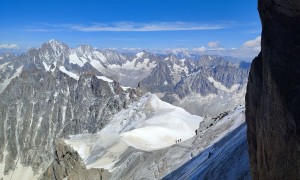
(273,94)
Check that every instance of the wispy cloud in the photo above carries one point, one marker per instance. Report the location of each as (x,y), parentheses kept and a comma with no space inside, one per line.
(253,44)
(40,30)
(199,49)
(154,26)
(248,50)
(133,27)
(9,46)
(213,44)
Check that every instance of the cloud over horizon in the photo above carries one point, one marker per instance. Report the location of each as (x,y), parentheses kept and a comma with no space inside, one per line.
(132,27)
(213,44)
(253,44)
(9,47)
(247,50)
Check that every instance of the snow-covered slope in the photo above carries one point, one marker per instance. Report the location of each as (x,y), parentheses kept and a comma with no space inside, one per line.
(224,136)
(227,159)
(152,124)
(5,82)
(220,143)
(148,124)
(212,104)
(158,164)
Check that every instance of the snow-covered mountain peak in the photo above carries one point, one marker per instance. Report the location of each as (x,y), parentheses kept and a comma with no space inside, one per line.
(112,56)
(153,103)
(85,49)
(171,57)
(140,54)
(53,52)
(53,41)
(57,46)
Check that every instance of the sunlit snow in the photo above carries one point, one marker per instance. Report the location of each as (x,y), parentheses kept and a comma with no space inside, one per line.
(148,124)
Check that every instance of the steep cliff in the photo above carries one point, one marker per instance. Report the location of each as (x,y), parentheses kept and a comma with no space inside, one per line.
(37,107)
(273,94)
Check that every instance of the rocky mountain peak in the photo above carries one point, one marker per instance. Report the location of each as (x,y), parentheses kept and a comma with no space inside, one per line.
(85,49)
(55,45)
(52,52)
(140,54)
(112,56)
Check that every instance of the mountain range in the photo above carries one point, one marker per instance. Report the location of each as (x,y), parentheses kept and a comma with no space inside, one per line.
(52,92)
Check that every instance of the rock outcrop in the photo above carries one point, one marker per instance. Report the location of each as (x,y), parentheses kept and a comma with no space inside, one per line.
(69,165)
(273,94)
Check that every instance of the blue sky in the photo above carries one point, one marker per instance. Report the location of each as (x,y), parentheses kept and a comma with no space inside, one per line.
(147,24)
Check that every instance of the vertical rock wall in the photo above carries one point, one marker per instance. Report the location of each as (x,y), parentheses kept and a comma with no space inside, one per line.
(273,94)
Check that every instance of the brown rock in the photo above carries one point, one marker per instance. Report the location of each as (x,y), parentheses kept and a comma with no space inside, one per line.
(69,165)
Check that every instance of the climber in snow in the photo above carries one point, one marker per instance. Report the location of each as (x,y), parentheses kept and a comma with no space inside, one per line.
(209,154)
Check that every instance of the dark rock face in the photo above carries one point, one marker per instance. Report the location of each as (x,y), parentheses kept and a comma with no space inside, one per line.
(199,84)
(37,107)
(273,94)
(159,80)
